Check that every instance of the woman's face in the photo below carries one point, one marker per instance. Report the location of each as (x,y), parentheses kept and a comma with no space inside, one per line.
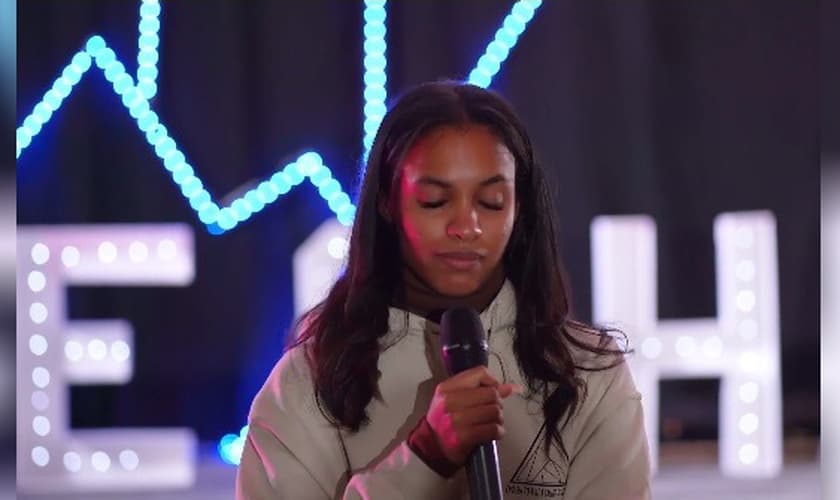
(457,206)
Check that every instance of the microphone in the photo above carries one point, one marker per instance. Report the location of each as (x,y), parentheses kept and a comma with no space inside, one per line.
(464,346)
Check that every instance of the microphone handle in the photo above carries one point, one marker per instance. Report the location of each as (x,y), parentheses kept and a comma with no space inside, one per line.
(483,473)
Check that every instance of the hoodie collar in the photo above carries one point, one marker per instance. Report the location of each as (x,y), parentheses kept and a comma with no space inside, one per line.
(499,315)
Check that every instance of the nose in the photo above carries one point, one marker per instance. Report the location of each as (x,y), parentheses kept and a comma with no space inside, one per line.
(464,224)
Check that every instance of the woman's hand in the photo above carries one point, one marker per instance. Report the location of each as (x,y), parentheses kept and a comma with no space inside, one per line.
(466,411)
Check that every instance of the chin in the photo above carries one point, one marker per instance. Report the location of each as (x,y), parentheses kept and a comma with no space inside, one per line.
(458,286)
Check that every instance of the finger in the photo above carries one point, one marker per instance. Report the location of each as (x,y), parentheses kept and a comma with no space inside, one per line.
(483,433)
(467,398)
(506,390)
(486,414)
(474,377)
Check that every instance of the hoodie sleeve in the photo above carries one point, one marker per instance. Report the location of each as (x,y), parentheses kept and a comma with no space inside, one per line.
(293,452)
(612,460)
(400,475)
(269,470)
(290,448)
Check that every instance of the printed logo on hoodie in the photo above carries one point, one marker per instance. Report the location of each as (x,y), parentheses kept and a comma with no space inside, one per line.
(540,475)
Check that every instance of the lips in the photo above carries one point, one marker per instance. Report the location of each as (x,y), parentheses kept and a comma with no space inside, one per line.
(462,260)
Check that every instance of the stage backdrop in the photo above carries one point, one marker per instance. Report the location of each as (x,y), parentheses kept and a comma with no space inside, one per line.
(680,110)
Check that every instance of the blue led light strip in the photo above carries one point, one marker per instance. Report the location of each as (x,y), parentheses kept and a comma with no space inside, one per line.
(230,446)
(506,37)
(135,97)
(375,63)
(147,48)
(308,166)
(136,100)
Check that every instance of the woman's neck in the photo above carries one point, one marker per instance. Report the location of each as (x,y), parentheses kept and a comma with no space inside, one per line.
(421,299)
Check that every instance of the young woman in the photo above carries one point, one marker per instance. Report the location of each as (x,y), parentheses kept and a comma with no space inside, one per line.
(453,211)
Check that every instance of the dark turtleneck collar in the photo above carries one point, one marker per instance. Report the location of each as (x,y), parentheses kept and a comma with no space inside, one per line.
(421,299)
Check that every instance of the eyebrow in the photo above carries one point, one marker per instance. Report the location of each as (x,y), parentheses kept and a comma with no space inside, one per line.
(434,181)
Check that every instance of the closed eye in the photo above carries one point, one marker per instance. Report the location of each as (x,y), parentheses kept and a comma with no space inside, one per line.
(438,204)
(431,204)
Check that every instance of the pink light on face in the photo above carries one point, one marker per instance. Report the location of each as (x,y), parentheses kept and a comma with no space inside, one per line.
(457,207)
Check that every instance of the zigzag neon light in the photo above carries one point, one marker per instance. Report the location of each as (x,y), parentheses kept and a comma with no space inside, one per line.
(308,166)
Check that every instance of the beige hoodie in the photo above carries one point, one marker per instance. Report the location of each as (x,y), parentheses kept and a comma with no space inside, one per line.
(293,452)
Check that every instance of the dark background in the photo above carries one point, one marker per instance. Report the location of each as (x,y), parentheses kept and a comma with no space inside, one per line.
(677,109)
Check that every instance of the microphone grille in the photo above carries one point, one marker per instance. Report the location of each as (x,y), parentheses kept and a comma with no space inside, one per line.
(462,341)
(460,325)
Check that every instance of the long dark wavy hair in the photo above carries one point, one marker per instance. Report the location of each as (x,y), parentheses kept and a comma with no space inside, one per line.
(342,333)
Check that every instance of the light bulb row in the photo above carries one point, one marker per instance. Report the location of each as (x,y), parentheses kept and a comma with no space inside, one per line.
(99,460)
(107,252)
